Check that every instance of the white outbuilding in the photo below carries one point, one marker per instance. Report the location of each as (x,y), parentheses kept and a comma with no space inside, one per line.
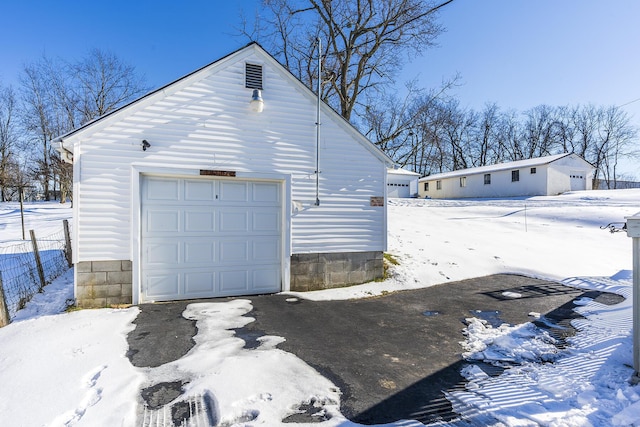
(541,176)
(402,183)
(219,184)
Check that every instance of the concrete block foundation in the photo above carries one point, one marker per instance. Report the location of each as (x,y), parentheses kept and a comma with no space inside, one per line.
(106,283)
(103,283)
(310,272)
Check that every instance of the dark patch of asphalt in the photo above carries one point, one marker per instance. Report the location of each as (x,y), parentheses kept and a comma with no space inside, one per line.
(392,356)
(162,334)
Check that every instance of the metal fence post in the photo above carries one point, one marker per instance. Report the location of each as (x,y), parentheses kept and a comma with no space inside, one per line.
(5,319)
(67,241)
(633,231)
(36,254)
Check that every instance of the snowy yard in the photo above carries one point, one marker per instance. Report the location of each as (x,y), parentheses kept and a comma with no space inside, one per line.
(71,369)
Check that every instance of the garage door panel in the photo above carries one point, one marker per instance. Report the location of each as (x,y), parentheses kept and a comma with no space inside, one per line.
(163,220)
(233,192)
(266,250)
(199,283)
(266,192)
(162,285)
(162,188)
(234,251)
(266,221)
(266,280)
(199,221)
(199,190)
(162,253)
(200,252)
(234,282)
(233,221)
(207,237)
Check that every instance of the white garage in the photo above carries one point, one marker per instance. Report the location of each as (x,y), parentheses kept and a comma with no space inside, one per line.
(402,183)
(209,237)
(219,184)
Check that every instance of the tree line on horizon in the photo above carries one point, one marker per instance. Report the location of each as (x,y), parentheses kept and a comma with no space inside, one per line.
(432,134)
(362,46)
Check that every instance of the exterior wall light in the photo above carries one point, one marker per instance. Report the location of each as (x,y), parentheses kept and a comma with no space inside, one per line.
(145,144)
(256,104)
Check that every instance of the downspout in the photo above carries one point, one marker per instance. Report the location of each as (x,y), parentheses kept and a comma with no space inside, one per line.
(318,122)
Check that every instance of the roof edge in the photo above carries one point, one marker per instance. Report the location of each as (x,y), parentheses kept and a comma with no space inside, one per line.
(369,145)
(545,160)
(90,123)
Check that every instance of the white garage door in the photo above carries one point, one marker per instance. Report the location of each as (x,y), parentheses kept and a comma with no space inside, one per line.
(209,237)
(578,180)
(397,189)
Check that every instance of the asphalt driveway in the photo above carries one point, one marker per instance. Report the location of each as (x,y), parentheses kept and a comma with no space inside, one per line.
(392,356)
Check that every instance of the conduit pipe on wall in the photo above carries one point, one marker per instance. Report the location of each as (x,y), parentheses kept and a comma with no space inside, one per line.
(319,42)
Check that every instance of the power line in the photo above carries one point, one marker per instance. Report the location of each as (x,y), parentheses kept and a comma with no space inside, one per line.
(630,102)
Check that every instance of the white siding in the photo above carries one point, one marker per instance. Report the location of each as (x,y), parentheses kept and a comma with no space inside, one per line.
(553,176)
(207,124)
(501,185)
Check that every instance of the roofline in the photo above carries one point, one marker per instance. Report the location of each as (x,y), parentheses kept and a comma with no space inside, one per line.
(401,171)
(501,167)
(370,146)
(145,96)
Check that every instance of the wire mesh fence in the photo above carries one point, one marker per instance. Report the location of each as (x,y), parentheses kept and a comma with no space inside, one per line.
(26,268)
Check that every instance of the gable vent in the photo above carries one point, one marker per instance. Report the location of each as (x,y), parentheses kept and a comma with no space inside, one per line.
(253,76)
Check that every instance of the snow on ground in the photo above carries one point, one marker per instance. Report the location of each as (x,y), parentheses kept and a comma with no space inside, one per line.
(586,385)
(64,369)
(439,241)
(45,218)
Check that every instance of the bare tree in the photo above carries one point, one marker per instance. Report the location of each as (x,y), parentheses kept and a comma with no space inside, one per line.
(365,42)
(102,83)
(8,141)
(459,125)
(58,96)
(539,131)
(485,137)
(615,137)
(585,123)
(507,143)
(38,118)
(565,131)
(392,124)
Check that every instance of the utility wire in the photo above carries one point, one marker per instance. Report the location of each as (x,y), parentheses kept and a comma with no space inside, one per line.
(630,102)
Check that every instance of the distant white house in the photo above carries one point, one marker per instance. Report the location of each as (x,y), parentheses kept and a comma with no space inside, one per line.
(218,185)
(402,183)
(542,176)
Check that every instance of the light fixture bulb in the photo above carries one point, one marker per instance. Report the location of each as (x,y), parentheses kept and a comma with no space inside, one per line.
(257,104)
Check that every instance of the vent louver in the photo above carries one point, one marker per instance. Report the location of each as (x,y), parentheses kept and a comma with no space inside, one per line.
(253,76)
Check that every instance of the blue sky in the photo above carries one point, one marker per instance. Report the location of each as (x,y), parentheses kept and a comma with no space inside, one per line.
(517,53)
(524,53)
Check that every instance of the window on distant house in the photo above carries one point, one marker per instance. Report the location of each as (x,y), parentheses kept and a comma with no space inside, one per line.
(463,181)
(533,170)
(515,176)
(426,186)
(487,178)
(438,185)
